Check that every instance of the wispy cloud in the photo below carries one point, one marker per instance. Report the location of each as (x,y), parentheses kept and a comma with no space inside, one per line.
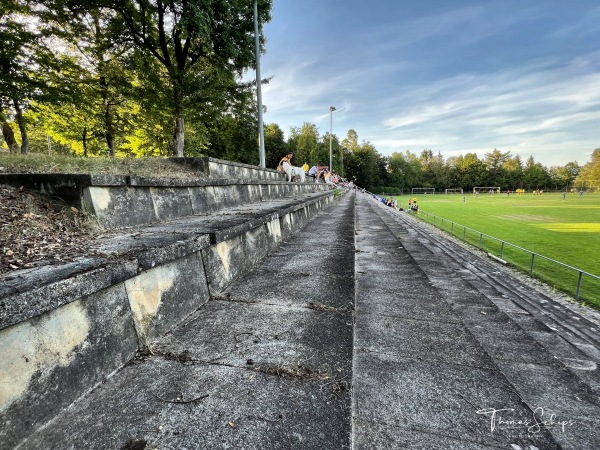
(466,77)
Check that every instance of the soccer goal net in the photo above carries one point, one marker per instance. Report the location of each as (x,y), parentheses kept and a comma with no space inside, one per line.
(584,186)
(454,191)
(486,190)
(423,190)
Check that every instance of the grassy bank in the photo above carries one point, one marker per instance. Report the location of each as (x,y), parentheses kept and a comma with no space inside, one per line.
(41,163)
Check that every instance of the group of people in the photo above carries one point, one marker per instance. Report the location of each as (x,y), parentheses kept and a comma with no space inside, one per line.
(393,203)
(320,174)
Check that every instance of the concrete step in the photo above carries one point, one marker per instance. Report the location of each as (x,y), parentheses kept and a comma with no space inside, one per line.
(360,331)
(266,364)
(523,376)
(120,201)
(65,328)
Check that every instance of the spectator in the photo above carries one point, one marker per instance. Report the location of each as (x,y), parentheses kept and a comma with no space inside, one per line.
(293,173)
(288,159)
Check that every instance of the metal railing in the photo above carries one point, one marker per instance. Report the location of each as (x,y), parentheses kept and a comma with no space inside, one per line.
(504,246)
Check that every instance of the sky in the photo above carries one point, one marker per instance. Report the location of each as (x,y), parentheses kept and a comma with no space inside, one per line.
(451,76)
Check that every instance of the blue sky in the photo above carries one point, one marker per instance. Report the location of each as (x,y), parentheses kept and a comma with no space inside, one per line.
(454,76)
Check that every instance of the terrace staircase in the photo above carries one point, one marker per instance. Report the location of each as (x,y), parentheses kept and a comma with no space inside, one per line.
(362,328)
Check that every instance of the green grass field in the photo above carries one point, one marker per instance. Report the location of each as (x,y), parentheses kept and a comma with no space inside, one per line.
(566,230)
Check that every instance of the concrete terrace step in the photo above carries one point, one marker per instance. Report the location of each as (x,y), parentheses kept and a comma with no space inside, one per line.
(266,364)
(363,330)
(119,201)
(65,328)
(529,371)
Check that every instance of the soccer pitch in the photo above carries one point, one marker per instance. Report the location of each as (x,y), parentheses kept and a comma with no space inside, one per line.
(565,228)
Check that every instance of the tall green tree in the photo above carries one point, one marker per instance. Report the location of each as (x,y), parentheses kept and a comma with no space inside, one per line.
(535,175)
(27,64)
(472,171)
(590,172)
(200,46)
(350,142)
(562,176)
(494,161)
(275,144)
(513,168)
(305,142)
(100,84)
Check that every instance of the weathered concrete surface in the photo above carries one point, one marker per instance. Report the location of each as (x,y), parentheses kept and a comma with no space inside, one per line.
(426,374)
(37,291)
(536,374)
(162,297)
(255,228)
(432,357)
(246,371)
(46,363)
(159,270)
(120,201)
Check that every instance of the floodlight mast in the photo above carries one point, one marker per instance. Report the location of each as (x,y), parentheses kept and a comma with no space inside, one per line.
(331,110)
(261,131)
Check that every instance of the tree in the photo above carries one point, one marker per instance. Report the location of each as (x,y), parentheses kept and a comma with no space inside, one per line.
(350,142)
(275,145)
(562,176)
(363,165)
(590,172)
(535,175)
(199,45)
(304,142)
(8,133)
(433,169)
(99,76)
(514,172)
(27,65)
(472,171)
(322,153)
(494,161)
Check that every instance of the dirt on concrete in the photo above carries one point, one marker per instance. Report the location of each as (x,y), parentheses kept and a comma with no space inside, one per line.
(36,230)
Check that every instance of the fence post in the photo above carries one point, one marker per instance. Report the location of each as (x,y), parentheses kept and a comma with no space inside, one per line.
(480,241)
(464,233)
(532,259)
(502,250)
(452,229)
(579,286)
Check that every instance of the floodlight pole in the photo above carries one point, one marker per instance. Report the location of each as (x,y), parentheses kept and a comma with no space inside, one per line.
(331,110)
(261,131)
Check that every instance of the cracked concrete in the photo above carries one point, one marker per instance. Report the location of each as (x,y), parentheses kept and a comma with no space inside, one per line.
(364,330)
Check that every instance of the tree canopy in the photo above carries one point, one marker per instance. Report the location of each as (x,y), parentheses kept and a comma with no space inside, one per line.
(134,70)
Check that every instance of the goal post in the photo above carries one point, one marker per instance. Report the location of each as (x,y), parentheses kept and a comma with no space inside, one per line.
(486,190)
(454,191)
(584,186)
(423,190)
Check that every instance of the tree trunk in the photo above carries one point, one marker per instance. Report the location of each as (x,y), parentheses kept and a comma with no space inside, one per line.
(110,140)
(179,136)
(9,137)
(22,128)
(84,141)
(179,130)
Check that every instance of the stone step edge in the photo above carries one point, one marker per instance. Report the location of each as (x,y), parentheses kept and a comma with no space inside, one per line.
(77,279)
